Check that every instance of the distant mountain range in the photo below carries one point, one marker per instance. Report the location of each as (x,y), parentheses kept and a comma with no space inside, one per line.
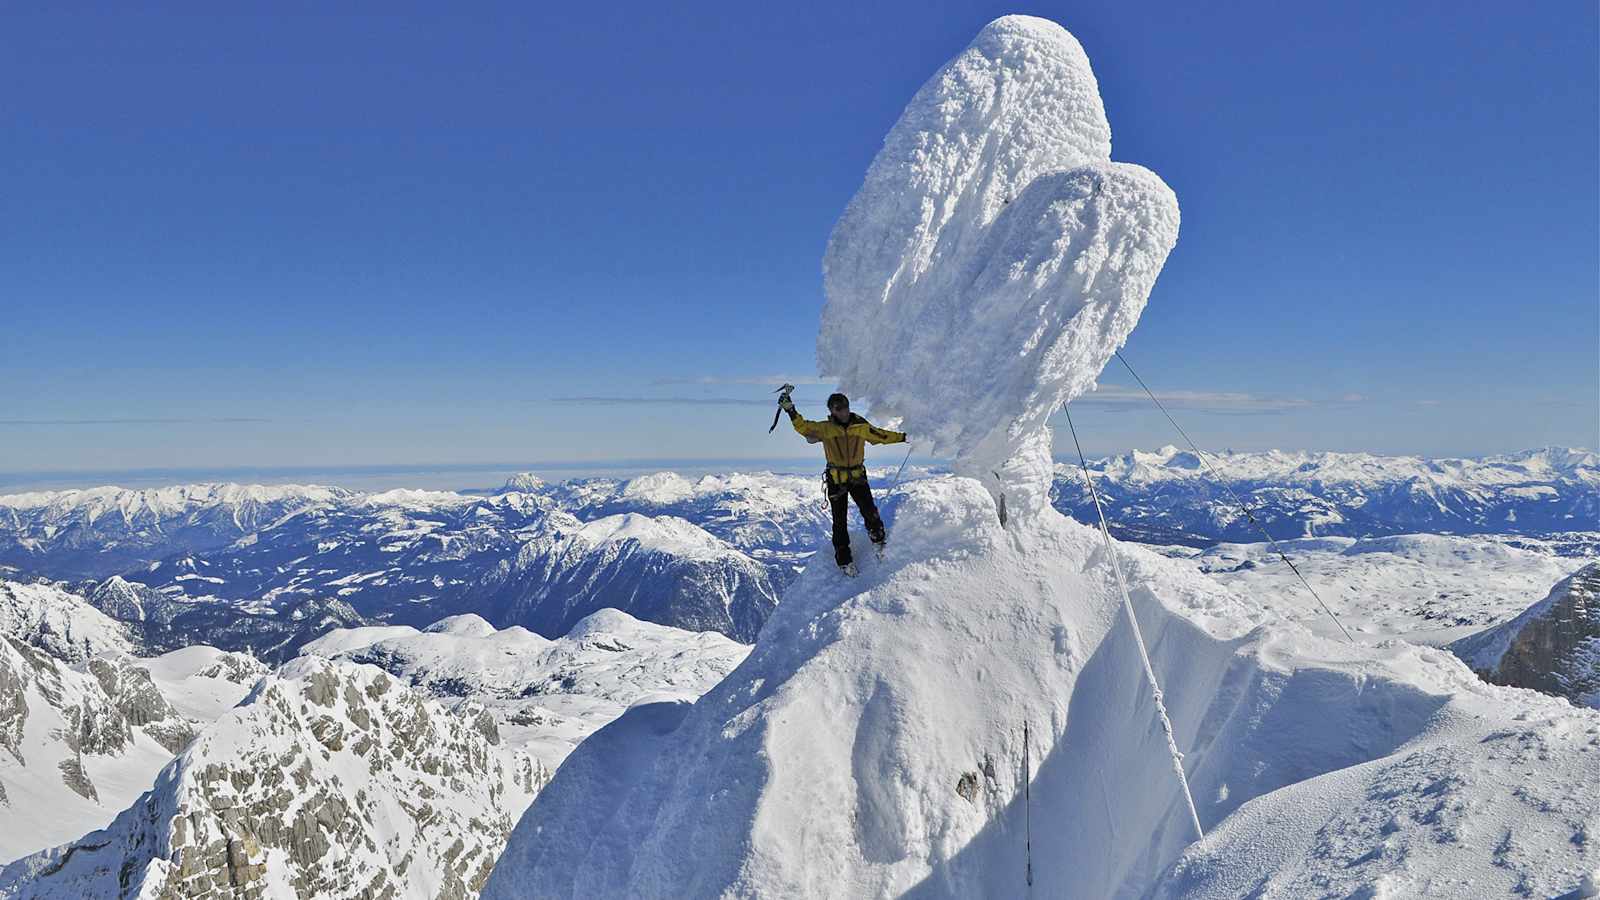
(269,568)
(1170,497)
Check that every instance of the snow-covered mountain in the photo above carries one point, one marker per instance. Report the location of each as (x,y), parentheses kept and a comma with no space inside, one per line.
(329,780)
(101,531)
(75,746)
(661,569)
(344,559)
(986,689)
(774,518)
(60,623)
(1553,646)
(1170,497)
(85,726)
(546,695)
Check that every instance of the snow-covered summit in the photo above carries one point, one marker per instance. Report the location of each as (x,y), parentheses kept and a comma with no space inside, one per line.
(993,234)
(661,534)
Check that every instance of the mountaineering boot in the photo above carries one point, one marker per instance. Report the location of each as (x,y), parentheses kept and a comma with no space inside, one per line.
(849,569)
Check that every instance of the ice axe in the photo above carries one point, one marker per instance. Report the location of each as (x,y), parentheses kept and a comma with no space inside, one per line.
(785,391)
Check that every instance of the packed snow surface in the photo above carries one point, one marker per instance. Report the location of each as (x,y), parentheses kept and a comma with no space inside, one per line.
(995,257)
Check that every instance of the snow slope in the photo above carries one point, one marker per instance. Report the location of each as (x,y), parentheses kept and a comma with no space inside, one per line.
(834,761)
(88,726)
(203,682)
(872,743)
(330,780)
(1427,588)
(546,695)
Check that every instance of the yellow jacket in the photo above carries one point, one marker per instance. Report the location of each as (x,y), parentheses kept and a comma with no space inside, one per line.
(845,446)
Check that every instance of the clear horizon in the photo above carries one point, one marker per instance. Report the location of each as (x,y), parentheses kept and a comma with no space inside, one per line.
(317,240)
(487,476)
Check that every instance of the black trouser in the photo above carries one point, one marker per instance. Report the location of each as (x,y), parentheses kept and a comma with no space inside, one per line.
(839,500)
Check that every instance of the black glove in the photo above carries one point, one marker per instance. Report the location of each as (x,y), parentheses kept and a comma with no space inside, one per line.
(785,404)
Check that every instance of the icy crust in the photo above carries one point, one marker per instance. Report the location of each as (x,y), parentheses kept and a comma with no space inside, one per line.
(871,744)
(995,257)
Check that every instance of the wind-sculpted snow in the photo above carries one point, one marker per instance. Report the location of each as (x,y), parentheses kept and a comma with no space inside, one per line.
(870,746)
(329,780)
(994,258)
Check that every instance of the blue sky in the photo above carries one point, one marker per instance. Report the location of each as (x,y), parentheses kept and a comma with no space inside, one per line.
(304,237)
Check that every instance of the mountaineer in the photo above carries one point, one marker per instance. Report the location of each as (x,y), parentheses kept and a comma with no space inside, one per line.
(844,437)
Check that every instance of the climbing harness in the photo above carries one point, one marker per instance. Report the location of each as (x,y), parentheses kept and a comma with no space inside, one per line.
(1138,637)
(1248,514)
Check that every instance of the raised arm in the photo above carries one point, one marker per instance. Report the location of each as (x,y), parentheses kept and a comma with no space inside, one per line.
(806,427)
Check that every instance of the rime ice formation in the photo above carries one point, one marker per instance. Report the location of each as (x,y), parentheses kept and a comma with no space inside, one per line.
(995,257)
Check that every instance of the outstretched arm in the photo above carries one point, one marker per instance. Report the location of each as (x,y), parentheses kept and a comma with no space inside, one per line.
(875,435)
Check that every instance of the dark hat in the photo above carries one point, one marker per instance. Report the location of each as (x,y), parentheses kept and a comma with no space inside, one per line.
(837,401)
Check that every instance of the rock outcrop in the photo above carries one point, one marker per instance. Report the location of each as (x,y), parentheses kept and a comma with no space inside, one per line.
(1553,647)
(329,780)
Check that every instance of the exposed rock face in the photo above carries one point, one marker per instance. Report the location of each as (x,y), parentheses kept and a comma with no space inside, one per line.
(329,780)
(1553,647)
(142,704)
(74,745)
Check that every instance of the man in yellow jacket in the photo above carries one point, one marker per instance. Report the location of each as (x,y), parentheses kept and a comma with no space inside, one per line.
(844,437)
